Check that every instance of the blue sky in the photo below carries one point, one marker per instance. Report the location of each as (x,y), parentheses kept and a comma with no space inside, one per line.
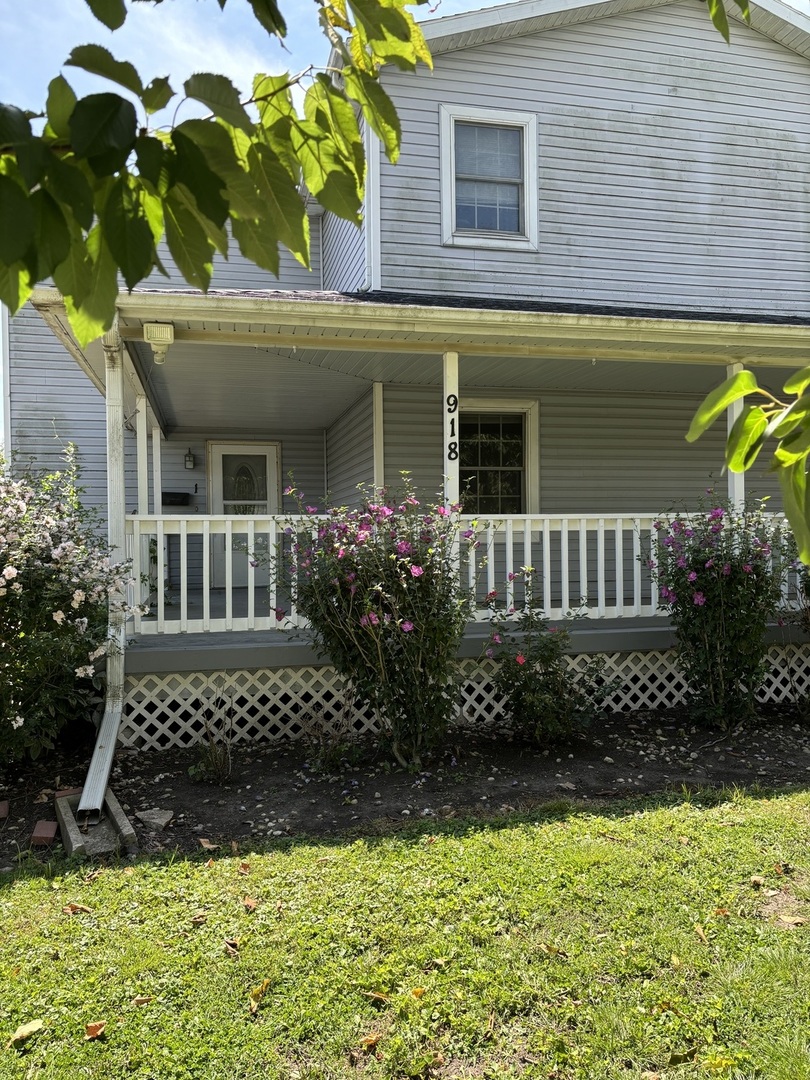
(176,37)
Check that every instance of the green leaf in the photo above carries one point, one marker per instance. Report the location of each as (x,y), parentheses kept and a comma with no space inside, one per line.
(68,185)
(153,161)
(16,285)
(157,95)
(73,277)
(798,382)
(718,16)
(716,403)
(221,97)
(269,16)
(257,243)
(330,110)
(188,243)
(793,482)
(273,97)
(744,7)
(127,231)
(282,202)
(100,61)
(102,122)
(795,446)
(16,222)
(15,128)
(215,142)
(216,235)
(746,438)
(329,178)
(110,12)
(380,19)
(90,319)
(191,168)
(51,235)
(60,105)
(378,109)
(31,158)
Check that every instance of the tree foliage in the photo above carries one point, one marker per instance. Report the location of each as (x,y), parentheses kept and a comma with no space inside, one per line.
(91,195)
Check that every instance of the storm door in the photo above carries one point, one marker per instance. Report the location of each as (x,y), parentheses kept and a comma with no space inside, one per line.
(244,481)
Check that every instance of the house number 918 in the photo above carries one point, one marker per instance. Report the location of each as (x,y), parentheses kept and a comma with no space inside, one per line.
(452,447)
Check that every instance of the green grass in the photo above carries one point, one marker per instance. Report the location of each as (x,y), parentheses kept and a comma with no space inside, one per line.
(561,945)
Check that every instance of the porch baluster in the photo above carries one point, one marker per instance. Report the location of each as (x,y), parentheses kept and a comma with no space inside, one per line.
(137,574)
(619,543)
(509,563)
(565,597)
(161,576)
(636,566)
(183,576)
(228,574)
(600,568)
(251,575)
(206,575)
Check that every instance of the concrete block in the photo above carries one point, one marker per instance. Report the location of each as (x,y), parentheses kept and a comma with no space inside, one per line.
(112,834)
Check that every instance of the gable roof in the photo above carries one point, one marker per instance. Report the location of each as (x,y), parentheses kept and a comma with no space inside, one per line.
(771,18)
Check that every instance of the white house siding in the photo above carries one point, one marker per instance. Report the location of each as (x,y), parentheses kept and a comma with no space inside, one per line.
(53,403)
(344,255)
(350,452)
(672,167)
(412,425)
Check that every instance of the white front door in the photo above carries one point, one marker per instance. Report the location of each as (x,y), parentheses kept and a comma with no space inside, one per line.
(243,480)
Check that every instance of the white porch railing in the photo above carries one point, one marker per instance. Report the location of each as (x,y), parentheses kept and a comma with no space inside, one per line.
(196,576)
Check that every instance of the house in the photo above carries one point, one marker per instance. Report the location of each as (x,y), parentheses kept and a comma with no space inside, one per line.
(600,210)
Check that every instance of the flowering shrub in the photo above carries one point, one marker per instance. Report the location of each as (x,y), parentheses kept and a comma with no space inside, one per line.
(381,589)
(544,701)
(720,575)
(55,580)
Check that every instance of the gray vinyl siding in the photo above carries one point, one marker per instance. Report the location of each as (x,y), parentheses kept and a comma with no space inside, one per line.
(53,403)
(672,167)
(412,423)
(237,272)
(350,452)
(344,255)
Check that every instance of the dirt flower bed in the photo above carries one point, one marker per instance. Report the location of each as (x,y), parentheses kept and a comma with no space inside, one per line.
(275,791)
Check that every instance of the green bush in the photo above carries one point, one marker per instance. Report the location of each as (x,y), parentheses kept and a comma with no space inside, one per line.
(55,582)
(720,574)
(382,591)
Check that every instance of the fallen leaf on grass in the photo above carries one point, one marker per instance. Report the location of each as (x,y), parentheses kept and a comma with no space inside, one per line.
(369,1042)
(210,863)
(44,795)
(244,868)
(25,1031)
(552,950)
(95,1031)
(256,995)
(676,961)
(701,933)
(91,877)
(207,845)
(76,909)
(792,920)
(232,947)
(199,918)
(128,870)
(684,840)
(234,847)
(141,999)
(250,903)
(783,868)
(757,881)
(418,992)
(378,999)
(722,912)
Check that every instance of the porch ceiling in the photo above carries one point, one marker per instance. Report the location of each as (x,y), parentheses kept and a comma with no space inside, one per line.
(250,361)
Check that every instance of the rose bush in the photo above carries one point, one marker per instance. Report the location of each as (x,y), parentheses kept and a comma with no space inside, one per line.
(381,588)
(720,574)
(55,582)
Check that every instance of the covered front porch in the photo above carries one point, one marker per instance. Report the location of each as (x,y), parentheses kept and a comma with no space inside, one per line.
(560,433)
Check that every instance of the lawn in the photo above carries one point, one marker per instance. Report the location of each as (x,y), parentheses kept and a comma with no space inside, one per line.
(663,937)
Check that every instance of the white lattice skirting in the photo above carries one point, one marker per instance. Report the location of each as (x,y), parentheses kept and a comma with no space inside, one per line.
(173,710)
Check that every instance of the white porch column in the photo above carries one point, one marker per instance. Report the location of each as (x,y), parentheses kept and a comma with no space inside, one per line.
(142,443)
(116,492)
(157,472)
(378,435)
(736,481)
(450,409)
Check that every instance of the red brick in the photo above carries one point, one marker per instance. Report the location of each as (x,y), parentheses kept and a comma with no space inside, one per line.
(65,793)
(44,833)
(4,809)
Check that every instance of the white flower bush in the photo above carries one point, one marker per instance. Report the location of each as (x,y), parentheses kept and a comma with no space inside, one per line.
(56,583)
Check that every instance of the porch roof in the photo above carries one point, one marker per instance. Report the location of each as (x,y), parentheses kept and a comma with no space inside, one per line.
(222,342)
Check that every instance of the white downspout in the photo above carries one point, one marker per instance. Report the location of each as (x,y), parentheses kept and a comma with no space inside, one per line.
(95,785)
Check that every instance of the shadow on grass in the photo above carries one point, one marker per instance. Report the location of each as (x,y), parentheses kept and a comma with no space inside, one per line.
(383,831)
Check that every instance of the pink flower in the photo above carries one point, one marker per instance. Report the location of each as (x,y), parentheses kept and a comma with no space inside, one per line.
(312,509)
(280,614)
(288,490)
(373,619)
(716,514)
(442,511)
(489,653)
(709,564)
(692,576)
(404,548)
(520,659)
(407,627)
(417,571)
(748,568)
(698,599)
(496,638)
(727,569)
(552,629)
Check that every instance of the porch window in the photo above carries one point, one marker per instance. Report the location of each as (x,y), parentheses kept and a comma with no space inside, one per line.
(488,178)
(492,459)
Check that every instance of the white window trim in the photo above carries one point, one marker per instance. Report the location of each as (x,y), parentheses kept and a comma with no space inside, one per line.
(451,237)
(530,407)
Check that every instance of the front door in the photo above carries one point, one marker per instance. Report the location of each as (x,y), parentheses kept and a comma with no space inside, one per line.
(244,481)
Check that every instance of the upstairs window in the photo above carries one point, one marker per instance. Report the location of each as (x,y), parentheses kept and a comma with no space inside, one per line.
(489,178)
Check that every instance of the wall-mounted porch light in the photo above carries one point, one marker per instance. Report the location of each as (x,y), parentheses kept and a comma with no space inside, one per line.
(188,460)
(160,336)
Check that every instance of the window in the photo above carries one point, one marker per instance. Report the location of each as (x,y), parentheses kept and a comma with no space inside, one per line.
(489,178)
(492,463)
